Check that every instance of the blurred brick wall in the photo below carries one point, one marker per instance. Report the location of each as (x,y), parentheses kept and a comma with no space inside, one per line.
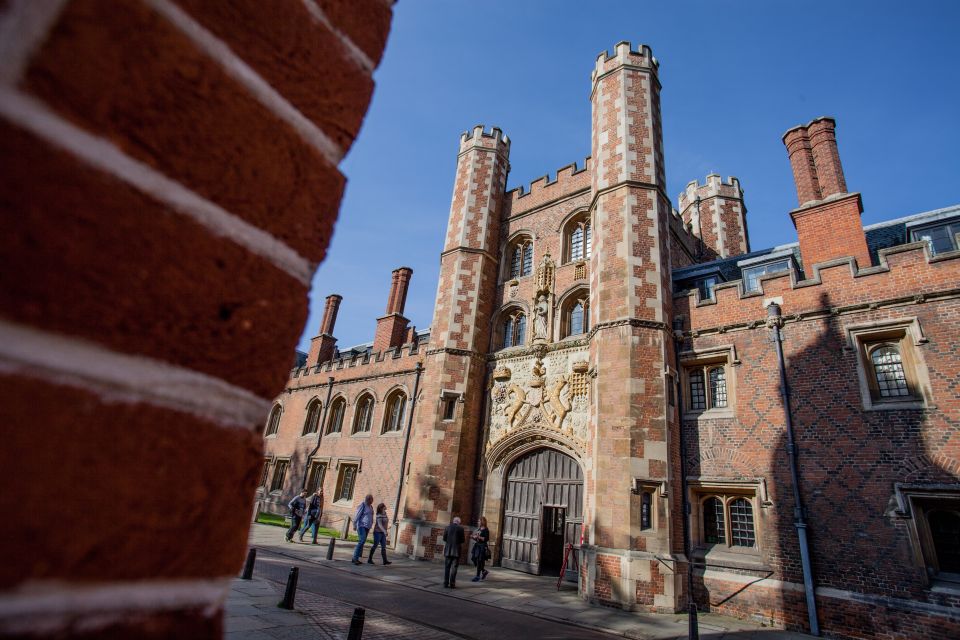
(168,185)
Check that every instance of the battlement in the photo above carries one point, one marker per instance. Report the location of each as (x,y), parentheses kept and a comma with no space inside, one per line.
(905,273)
(480,137)
(624,54)
(712,186)
(371,362)
(568,179)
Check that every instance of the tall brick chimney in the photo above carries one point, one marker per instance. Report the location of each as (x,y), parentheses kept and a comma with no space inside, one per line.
(828,219)
(322,346)
(392,328)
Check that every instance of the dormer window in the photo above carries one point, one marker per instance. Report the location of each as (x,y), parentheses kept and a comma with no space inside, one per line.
(941,238)
(752,275)
(706,285)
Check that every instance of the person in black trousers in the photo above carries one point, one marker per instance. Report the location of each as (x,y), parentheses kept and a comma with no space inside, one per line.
(453,538)
(297,506)
(481,550)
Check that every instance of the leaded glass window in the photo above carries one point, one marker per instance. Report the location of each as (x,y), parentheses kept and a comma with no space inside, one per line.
(576,319)
(335,421)
(527,266)
(698,396)
(714,527)
(741,523)
(396,409)
(718,387)
(364,417)
(588,241)
(576,243)
(508,328)
(888,368)
(514,330)
(348,475)
(273,424)
(312,423)
(516,261)
(521,330)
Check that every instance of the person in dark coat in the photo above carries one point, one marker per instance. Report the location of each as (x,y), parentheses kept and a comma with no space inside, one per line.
(453,539)
(297,508)
(481,549)
(314,511)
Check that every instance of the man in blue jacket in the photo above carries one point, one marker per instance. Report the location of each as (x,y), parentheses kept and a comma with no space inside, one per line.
(362,521)
(297,506)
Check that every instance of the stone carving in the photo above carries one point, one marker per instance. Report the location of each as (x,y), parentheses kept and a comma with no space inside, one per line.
(559,406)
(545,274)
(540,310)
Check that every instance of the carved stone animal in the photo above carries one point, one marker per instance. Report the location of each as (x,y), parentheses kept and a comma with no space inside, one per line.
(513,409)
(559,406)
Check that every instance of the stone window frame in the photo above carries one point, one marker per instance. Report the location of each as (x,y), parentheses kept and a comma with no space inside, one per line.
(264,473)
(578,220)
(511,312)
(705,360)
(519,238)
(652,489)
(576,294)
(448,401)
(343,464)
(312,427)
(272,427)
(314,463)
(728,490)
(914,501)
(338,400)
(356,429)
(281,466)
(907,336)
(390,398)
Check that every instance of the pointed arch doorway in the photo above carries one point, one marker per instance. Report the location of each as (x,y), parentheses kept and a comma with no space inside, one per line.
(542,511)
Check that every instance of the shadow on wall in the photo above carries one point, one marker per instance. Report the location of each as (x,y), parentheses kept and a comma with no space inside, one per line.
(850,461)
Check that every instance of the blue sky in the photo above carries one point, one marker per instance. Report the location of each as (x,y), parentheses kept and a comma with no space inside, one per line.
(735,76)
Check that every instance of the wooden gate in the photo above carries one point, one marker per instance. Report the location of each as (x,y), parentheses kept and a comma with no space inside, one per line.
(541,479)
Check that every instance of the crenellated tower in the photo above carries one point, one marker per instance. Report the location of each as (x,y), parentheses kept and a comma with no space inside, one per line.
(716,214)
(631,349)
(443,448)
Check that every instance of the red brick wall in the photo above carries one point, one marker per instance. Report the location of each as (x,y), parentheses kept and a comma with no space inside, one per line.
(153,286)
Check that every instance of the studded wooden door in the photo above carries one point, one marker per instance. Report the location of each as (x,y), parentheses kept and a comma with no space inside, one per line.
(544,477)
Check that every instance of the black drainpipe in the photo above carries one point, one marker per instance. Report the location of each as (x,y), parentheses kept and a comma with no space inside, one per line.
(406,446)
(320,427)
(775,321)
(693,631)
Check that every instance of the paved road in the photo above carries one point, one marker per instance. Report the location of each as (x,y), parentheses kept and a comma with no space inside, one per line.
(442,612)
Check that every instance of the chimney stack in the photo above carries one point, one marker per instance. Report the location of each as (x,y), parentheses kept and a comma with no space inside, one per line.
(392,328)
(322,346)
(828,219)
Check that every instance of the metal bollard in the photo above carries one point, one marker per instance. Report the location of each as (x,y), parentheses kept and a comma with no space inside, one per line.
(330,547)
(248,565)
(291,591)
(356,624)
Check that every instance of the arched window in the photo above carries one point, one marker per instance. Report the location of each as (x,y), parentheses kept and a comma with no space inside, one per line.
(514,329)
(521,257)
(396,410)
(576,314)
(335,420)
(888,369)
(312,423)
(707,386)
(363,417)
(728,520)
(273,423)
(578,239)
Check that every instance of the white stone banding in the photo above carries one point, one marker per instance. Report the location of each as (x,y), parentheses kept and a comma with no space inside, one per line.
(129,379)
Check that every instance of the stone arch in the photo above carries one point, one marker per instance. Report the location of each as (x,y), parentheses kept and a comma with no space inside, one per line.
(723,462)
(514,445)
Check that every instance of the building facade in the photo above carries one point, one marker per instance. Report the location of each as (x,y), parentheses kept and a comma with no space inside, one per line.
(600,363)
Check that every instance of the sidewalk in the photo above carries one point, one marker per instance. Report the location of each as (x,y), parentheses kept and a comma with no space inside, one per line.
(251,613)
(521,592)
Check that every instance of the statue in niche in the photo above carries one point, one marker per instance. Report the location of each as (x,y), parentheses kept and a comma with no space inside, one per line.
(541,309)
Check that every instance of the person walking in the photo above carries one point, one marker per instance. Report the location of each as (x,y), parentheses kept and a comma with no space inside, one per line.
(296,506)
(481,550)
(380,534)
(362,521)
(453,538)
(314,511)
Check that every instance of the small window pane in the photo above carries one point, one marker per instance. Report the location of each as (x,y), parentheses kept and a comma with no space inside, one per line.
(945,531)
(273,424)
(888,367)
(449,408)
(645,505)
(521,330)
(346,483)
(396,412)
(527,260)
(516,261)
(279,474)
(576,319)
(588,241)
(718,387)
(576,243)
(508,332)
(714,530)
(741,523)
(698,398)
(311,424)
